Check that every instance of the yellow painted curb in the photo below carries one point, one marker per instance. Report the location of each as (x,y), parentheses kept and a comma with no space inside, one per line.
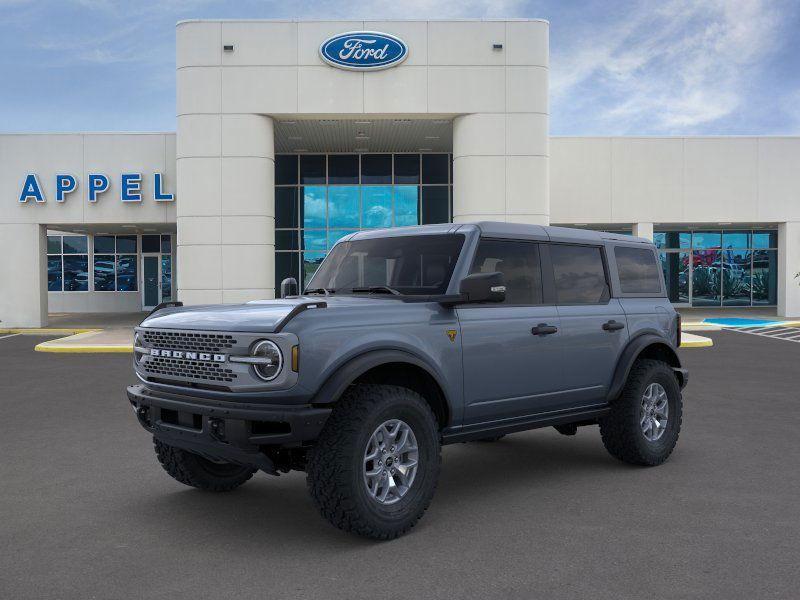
(46,331)
(46,347)
(695,341)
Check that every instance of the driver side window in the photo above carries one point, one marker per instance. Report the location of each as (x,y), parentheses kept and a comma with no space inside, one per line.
(519,264)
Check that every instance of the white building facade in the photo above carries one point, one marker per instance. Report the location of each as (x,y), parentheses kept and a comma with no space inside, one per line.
(287,141)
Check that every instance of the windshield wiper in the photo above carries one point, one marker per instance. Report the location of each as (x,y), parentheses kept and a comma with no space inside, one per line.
(376,289)
(325,291)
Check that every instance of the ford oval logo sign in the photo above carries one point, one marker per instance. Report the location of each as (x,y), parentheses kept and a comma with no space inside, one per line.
(363,50)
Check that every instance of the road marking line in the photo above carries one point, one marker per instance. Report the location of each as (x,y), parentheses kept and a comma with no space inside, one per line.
(2,337)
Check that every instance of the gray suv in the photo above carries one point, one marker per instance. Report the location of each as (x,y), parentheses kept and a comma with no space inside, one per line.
(407,339)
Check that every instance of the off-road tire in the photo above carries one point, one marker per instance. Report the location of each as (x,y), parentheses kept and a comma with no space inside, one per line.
(621,431)
(335,464)
(196,471)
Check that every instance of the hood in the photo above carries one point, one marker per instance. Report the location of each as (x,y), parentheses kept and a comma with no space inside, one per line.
(260,316)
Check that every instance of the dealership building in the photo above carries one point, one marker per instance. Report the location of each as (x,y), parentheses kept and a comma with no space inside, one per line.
(291,135)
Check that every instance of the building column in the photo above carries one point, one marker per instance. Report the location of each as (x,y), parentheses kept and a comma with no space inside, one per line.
(788,266)
(226,222)
(23,271)
(643,230)
(501,168)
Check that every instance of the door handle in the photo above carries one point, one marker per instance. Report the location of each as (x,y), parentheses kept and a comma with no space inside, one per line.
(612,325)
(544,329)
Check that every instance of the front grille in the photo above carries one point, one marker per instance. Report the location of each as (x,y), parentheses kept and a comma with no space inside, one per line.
(188,369)
(193,342)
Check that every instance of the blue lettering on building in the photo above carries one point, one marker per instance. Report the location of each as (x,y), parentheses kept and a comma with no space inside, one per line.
(65,184)
(130,190)
(363,50)
(31,190)
(130,187)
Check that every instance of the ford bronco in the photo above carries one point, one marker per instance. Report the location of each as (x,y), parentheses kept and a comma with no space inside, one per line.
(407,339)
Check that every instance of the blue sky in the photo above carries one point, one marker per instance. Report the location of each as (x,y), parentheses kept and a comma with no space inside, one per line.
(617,67)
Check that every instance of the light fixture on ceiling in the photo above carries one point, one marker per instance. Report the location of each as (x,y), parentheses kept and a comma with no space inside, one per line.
(441,121)
(728,223)
(128,226)
(432,137)
(329,121)
(579,224)
(360,149)
(426,149)
(301,150)
(402,121)
(288,122)
(149,230)
(363,122)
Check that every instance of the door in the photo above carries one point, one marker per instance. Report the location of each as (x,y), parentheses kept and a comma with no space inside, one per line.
(511,350)
(151,281)
(594,327)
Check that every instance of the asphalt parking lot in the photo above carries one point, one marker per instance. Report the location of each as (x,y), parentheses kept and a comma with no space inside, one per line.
(87,511)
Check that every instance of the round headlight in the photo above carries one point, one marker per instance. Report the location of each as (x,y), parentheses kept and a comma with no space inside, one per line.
(269,368)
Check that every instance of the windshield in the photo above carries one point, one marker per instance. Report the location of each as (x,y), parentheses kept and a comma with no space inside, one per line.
(408,264)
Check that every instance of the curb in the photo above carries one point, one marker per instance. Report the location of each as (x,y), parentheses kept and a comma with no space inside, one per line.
(98,349)
(46,331)
(695,341)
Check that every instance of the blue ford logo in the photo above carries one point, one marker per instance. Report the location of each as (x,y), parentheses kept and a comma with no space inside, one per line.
(363,50)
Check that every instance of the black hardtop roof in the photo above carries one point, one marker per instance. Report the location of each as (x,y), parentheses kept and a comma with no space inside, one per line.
(506,230)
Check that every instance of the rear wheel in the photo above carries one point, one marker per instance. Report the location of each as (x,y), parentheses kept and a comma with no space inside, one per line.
(645,421)
(375,466)
(194,470)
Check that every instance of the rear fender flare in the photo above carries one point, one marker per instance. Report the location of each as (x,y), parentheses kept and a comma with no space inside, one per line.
(633,350)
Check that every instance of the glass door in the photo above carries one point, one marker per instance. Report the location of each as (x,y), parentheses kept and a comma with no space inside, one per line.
(151,280)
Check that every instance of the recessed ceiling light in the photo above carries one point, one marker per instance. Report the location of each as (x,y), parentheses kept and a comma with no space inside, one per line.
(363,122)
(128,226)
(301,149)
(426,149)
(361,149)
(288,122)
(329,121)
(361,136)
(579,224)
(441,121)
(402,121)
(728,223)
(432,137)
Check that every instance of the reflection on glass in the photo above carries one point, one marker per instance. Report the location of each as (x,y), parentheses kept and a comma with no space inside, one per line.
(314,206)
(765,277)
(376,206)
(736,278)
(104,272)
(286,240)
(706,267)
(285,207)
(676,275)
(311,262)
(736,239)
(672,239)
(166,244)
(166,278)
(334,235)
(126,274)
(765,239)
(406,205)
(76,273)
(126,244)
(314,240)
(343,206)
(435,204)
(286,265)
(54,244)
(75,244)
(54,280)
(707,239)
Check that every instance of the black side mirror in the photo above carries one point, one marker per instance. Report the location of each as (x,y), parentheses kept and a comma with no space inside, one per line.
(483,287)
(288,287)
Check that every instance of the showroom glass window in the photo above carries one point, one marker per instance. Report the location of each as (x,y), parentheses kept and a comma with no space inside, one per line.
(67,263)
(115,264)
(161,244)
(720,267)
(320,198)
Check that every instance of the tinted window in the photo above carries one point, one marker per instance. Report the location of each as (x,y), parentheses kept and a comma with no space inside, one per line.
(343,168)
(411,264)
(579,274)
(312,168)
(150,243)
(519,264)
(285,169)
(434,168)
(376,168)
(638,271)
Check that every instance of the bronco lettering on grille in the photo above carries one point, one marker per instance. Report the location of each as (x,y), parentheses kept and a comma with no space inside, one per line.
(203,356)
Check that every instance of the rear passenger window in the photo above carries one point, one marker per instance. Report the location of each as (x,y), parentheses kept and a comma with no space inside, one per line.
(638,271)
(519,264)
(579,274)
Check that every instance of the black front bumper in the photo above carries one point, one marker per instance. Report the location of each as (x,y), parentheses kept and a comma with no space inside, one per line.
(234,432)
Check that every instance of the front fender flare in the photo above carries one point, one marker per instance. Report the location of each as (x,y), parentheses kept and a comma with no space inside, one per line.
(632,351)
(351,370)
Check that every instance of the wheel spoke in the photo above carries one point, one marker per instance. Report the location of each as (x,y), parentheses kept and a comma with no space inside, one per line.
(394,445)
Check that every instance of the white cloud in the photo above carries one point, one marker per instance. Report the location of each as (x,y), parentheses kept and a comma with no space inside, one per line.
(669,69)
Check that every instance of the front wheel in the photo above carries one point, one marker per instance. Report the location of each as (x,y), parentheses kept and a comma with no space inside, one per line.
(195,471)
(375,466)
(645,421)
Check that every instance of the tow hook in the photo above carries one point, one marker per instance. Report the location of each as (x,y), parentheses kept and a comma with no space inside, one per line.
(143,414)
(217,428)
